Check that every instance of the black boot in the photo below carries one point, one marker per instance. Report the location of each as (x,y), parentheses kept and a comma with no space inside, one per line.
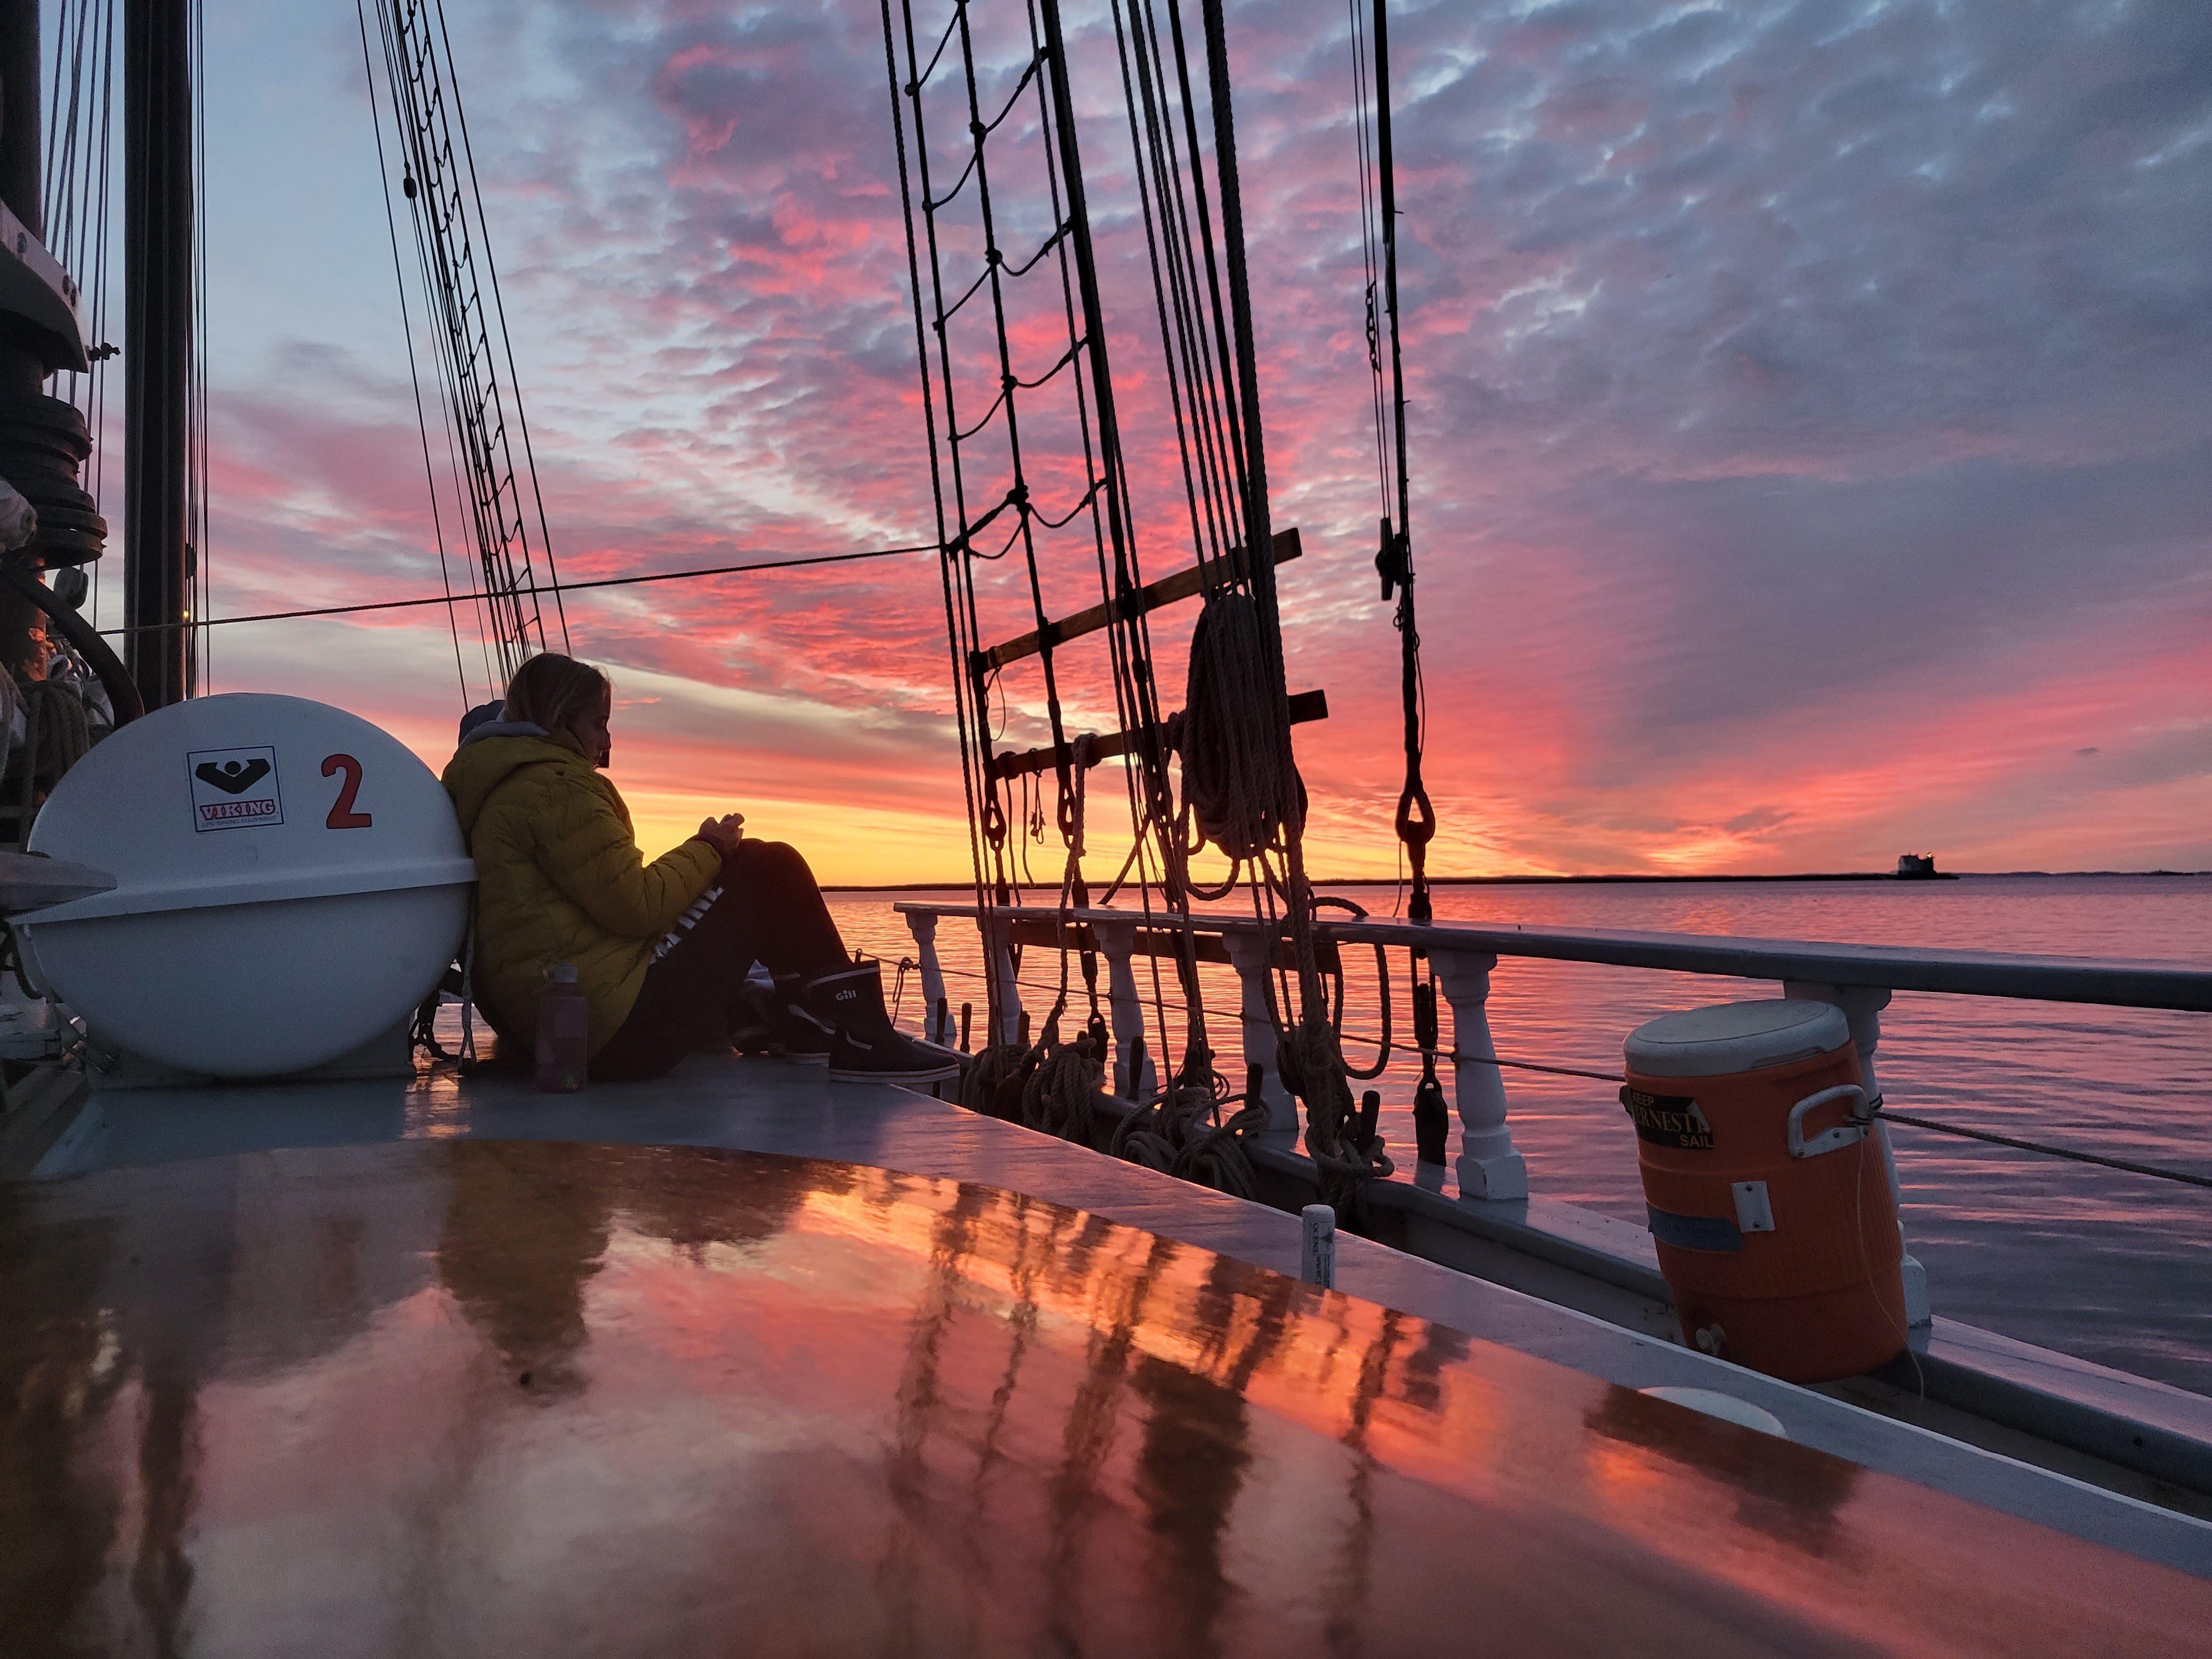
(866,1047)
(757,1020)
(803,1034)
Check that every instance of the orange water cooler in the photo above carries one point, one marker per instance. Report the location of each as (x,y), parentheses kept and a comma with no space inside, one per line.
(1768,1192)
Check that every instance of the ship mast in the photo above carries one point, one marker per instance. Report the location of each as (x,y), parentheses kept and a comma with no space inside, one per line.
(157,361)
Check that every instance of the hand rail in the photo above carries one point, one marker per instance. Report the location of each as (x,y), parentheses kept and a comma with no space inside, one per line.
(2111,982)
(1858,979)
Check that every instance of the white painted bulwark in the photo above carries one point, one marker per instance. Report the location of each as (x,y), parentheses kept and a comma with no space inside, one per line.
(1488,1166)
(997,951)
(1135,1073)
(1254,958)
(936,1025)
(290,881)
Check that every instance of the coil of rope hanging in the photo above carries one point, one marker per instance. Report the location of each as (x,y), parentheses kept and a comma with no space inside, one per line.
(1322,901)
(1060,1090)
(1244,794)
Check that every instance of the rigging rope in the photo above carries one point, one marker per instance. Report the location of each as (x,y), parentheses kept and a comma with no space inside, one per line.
(413,369)
(483,401)
(1415,821)
(981,466)
(1238,780)
(198,581)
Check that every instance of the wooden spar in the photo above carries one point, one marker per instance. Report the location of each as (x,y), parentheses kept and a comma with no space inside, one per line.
(1047,932)
(1149,598)
(1304,707)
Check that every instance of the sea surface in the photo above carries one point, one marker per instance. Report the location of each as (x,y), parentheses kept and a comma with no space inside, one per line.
(2113,1267)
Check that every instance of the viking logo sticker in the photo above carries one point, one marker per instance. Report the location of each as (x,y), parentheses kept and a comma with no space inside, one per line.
(234,788)
(232,777)
(1668,1121)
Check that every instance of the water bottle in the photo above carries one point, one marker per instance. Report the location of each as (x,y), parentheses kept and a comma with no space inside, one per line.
(564,1032)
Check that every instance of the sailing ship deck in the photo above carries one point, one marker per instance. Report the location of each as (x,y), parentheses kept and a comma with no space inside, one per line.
(773,1107)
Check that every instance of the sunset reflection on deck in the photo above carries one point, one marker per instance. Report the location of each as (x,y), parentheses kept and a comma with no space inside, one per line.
(470,1396)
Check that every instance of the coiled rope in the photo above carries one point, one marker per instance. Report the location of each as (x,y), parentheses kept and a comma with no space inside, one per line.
(1238,779)
(992,1082)
(1177,1134)
(1060,1095)
(1245,795)
(57,735)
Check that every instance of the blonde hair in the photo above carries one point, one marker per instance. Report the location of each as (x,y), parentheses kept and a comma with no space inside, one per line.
(552,691)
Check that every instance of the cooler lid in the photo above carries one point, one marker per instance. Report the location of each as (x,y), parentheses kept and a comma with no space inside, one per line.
(1735,1036)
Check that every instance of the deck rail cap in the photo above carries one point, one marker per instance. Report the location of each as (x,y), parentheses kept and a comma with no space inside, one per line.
(2182,986)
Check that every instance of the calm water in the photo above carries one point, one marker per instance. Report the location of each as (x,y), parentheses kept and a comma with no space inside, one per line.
(2111,1266)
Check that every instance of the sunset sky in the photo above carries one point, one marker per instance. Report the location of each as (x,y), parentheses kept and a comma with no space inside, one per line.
(1811,428)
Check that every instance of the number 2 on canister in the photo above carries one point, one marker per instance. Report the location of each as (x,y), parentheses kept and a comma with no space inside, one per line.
(343,816)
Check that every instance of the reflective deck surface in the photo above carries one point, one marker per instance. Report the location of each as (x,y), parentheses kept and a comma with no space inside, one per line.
(466,1396)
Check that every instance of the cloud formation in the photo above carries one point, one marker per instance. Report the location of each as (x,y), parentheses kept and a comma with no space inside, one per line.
(1810,429)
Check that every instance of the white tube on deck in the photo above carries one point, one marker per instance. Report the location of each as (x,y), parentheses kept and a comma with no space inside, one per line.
(1317,1251)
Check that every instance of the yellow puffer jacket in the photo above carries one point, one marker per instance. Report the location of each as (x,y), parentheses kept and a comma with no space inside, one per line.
(559,878)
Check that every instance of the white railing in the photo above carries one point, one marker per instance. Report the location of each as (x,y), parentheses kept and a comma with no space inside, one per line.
(1858,979)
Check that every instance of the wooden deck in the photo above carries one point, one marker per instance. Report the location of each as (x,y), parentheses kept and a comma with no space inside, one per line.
(769,1106)
(453,1395)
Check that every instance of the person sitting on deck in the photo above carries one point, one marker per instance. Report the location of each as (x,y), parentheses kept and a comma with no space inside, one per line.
(661,949)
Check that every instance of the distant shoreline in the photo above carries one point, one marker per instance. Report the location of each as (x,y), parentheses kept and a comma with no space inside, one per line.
(1592,881)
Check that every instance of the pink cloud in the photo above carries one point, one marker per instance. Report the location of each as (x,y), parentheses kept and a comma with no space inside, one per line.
(1763,523)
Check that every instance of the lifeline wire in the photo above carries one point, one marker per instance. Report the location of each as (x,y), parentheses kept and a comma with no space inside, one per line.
(563,587)
(2068,1152)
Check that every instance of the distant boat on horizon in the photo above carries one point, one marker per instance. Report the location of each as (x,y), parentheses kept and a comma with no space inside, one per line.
(1920,866)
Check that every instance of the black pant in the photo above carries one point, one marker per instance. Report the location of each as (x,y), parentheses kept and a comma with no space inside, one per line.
(765,907)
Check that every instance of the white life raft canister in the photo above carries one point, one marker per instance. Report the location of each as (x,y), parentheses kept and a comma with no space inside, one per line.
(290,881)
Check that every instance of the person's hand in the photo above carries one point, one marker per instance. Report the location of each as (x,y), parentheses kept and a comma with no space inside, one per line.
(725,833)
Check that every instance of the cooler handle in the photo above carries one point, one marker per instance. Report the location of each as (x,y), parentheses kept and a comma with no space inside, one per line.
(1843,1134)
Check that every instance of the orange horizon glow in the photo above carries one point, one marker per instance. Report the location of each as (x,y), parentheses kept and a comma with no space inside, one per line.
(1763,524)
